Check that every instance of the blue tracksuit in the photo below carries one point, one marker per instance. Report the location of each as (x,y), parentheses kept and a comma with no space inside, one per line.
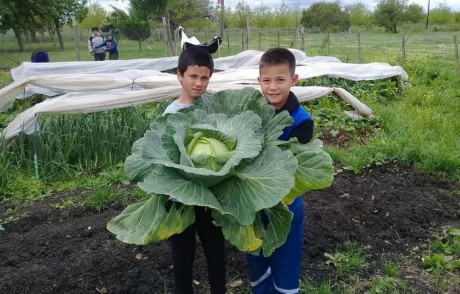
(280,272)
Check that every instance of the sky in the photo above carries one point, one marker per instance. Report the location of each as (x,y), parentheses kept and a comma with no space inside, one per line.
(454,4)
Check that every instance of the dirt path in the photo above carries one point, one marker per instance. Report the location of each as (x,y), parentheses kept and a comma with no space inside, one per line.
(389,209)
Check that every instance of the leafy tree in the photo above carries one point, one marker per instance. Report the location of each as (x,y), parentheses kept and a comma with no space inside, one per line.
(390,13)
(326,16)
(262,16)
(60,12)
(241,12)
(134,26)
(360,15)
(18,17)
(29,15)
(95,17)
(442,14)
(414,13)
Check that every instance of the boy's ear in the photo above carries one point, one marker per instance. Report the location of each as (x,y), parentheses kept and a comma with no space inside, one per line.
(258,79)
(295,78)
(179,76)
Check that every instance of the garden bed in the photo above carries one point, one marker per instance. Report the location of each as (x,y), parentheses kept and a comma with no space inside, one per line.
(390,210)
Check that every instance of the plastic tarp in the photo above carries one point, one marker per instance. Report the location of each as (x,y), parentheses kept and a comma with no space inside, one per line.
(97,86)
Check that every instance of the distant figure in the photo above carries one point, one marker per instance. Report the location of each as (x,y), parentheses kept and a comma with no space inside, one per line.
(40,56)
(93,42)
(110,45)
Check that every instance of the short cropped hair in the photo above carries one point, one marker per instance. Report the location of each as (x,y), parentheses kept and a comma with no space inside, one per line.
(277,56)
(95,29)
(195,56)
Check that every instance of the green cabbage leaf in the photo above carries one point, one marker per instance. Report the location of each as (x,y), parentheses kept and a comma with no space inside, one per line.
(223,154)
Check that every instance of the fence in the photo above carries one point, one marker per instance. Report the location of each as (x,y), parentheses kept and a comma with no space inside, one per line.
(356,47)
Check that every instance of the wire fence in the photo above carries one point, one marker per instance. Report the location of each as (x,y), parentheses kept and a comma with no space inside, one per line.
(356,47)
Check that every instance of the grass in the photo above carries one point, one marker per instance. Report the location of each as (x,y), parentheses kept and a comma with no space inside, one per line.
(417,124)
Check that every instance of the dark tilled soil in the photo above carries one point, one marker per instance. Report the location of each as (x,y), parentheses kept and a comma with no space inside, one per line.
(389,209)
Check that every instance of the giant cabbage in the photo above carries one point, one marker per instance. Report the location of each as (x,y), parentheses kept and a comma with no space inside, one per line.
(222,153)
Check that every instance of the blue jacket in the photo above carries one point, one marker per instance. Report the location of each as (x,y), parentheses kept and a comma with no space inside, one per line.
(111,46)
(302,128)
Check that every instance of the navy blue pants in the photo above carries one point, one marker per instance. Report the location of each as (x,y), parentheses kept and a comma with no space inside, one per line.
(280,272)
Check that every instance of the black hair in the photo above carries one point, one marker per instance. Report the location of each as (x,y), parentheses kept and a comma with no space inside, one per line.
(276,56)
(94,29)
(195,56)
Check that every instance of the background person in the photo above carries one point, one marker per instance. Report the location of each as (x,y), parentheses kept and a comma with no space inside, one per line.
(110,45)
(93,42)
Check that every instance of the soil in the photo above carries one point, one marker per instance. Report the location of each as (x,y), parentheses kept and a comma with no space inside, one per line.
(390,209)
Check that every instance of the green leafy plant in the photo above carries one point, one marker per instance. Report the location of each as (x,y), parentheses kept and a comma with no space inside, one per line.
(388,285)
(223,154)
(102,196)
(444,255)
(65,204)
(352,258)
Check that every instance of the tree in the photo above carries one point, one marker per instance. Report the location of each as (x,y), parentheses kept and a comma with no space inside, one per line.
(360,15)
(16,16)
(30,15)
(326,16)
(442,14)
(60,12)
(389,14)
(414,13)
(95,17)
(241,12)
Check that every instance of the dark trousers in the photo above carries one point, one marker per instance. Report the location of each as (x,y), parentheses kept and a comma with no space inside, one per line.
(183,253)
(113,56)
(99,56)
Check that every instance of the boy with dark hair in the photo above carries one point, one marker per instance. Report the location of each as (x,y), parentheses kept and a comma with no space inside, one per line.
(110,45)
(195,67)
(93,45)
(280,272)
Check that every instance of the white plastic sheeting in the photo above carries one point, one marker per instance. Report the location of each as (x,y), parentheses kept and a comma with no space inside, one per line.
(97,86)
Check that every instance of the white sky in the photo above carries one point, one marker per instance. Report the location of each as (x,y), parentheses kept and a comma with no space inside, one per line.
(454,4)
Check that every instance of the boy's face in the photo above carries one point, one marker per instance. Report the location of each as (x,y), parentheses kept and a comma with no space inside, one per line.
(275,82)
(95,33)
(194,81)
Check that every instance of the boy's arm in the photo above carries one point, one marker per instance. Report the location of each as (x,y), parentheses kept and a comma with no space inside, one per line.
(304,131)
(102,45)
(90,45)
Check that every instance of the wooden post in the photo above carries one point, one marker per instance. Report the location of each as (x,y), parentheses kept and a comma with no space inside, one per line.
(75,37)
(165,35)
(328,45)
(302,36)
(293,38)
(228,41)
(259,41)
(359,47)
(248,31)
(456,55)
(403,49)
(242,39)
(222,8)
(278,42)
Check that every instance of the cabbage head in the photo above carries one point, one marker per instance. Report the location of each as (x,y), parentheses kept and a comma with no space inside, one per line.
(222,153)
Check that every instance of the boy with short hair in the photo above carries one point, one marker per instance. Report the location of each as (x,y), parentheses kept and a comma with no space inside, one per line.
(94,41)
(195,67)
(110,45)
(280,272)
